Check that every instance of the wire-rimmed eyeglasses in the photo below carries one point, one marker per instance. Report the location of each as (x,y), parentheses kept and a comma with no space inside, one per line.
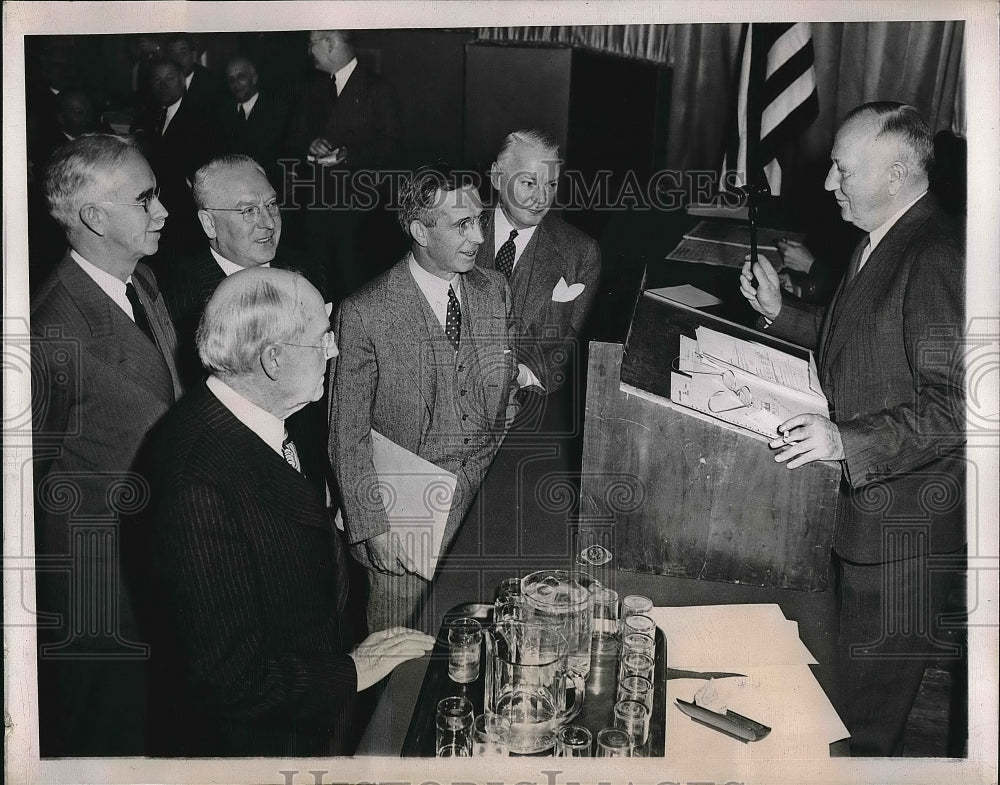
(144,201)
(250,214)
(328,344)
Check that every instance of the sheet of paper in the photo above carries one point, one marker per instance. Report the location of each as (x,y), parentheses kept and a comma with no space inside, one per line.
(738,234)
(417,496)
(706,393)
(686,294)
(718,254)
(769,364)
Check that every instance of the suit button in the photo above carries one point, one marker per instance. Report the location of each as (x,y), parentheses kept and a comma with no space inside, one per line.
(463,392)
(465,440)
(461,368)
(465,417)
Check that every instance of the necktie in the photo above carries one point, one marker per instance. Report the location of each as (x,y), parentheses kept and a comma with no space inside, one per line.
(333,90)
(290,453)
(453,319)
(241,113)
(505,256)
(138,312)
(855,265)
(161,122)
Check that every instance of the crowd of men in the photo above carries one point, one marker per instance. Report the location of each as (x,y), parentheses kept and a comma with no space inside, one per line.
(217,572)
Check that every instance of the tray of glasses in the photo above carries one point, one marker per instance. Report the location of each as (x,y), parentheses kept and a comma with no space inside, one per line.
(598,704)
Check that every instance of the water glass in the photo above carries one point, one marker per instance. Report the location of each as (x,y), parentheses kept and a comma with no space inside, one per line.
(454,728)
(465,638)
(490,735)
(507,589)
(634,604)
(633,718)
(605,631)
(636,688)
(573,741)
(639,643)
(639,623)
(614,743)
(633,664)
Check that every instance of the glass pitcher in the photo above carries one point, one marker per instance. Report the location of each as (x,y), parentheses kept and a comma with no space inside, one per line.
(529,683)
(563,598)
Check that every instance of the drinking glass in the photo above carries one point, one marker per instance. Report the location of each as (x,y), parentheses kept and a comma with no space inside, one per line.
(633,664)
(614,743)
(639,623)
(636,688)
(490,735)
(639,643)
(634,604)
(454,727)
(573,741)
(633,718)
(465,638)
(508,588)
(605,632)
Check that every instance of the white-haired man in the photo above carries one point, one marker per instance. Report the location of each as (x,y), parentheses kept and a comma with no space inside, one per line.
(103,373)
(254,653)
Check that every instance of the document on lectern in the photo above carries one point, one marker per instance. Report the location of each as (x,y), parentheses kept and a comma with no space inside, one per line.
(417,496)
(745,383)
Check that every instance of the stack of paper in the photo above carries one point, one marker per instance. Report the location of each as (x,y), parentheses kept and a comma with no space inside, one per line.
(727,244)
(777,689)
(745,383)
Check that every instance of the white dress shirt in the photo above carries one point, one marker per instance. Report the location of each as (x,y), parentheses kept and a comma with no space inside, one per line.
(249,104)
(435,289)
(501,233)
(113,287)
(229,267)
(171,111)
(344,74)
(269,428)
(875,237)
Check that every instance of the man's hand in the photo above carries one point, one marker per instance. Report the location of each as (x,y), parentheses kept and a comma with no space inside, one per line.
(765,298)
(806,438)
(795,256)
(387,554)
(320,148)
(380,652)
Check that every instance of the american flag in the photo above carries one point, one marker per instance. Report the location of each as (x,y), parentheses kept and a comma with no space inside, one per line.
(776,101)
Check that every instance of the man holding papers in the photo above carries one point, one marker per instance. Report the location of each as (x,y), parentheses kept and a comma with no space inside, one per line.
(426,362)
(890,361)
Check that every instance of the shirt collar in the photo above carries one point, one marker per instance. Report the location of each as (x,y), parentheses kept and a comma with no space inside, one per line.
(269,428)
(188,79)
(227,266)
(503,227)
(344,74)
(113,287)
(431,285)
(875,237)
(249,104)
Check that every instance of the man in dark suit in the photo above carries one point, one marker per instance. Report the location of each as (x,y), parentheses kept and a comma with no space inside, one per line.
(178,137)
(103,373)
(890,361)
(253,122)
(203,86)
(426,361)
(251,651)
(553,269)
(346,123)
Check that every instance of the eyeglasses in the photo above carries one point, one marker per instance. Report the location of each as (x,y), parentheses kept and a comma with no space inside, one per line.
(467,225)
(328,343)
(250,214)
(144,201)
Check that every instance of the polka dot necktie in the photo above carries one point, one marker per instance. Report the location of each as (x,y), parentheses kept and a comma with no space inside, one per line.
(505,256)
(453,319)
(290,453)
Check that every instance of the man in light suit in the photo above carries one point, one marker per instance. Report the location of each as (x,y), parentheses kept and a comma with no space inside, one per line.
(553,270)
(103,373)
(253,652)
(426,360)
(890,361)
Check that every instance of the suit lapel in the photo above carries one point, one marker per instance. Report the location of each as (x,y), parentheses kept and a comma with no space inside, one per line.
(115,339)
(854,299)
(539,275)
(407,335)
(482,329)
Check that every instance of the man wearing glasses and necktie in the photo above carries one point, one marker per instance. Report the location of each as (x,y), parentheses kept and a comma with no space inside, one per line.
(103,373)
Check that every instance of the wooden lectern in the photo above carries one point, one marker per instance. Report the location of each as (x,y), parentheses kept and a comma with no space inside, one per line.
(672,491)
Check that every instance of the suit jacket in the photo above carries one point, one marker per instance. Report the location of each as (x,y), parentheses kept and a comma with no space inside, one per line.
(206,87)
(364,119)
(385,380)
(190,279)
(261,135)
(247,595)
(99,385)
(890,361)
(548,330)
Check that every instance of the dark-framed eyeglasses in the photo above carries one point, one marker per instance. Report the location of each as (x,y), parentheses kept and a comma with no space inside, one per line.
(250,214)
(144,201)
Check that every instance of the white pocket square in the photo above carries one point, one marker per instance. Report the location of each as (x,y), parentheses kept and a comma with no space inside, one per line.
(564,292)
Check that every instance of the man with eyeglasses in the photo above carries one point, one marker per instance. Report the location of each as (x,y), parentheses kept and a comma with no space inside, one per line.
(425,360)
(253,653)
(103,373)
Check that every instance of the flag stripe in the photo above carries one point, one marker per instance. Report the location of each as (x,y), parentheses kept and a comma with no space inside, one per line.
(779,109)
(786,45)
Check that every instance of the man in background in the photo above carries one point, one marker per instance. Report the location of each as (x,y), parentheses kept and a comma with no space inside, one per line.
(426,361)
(103,373)
(203,86)
(890,362)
